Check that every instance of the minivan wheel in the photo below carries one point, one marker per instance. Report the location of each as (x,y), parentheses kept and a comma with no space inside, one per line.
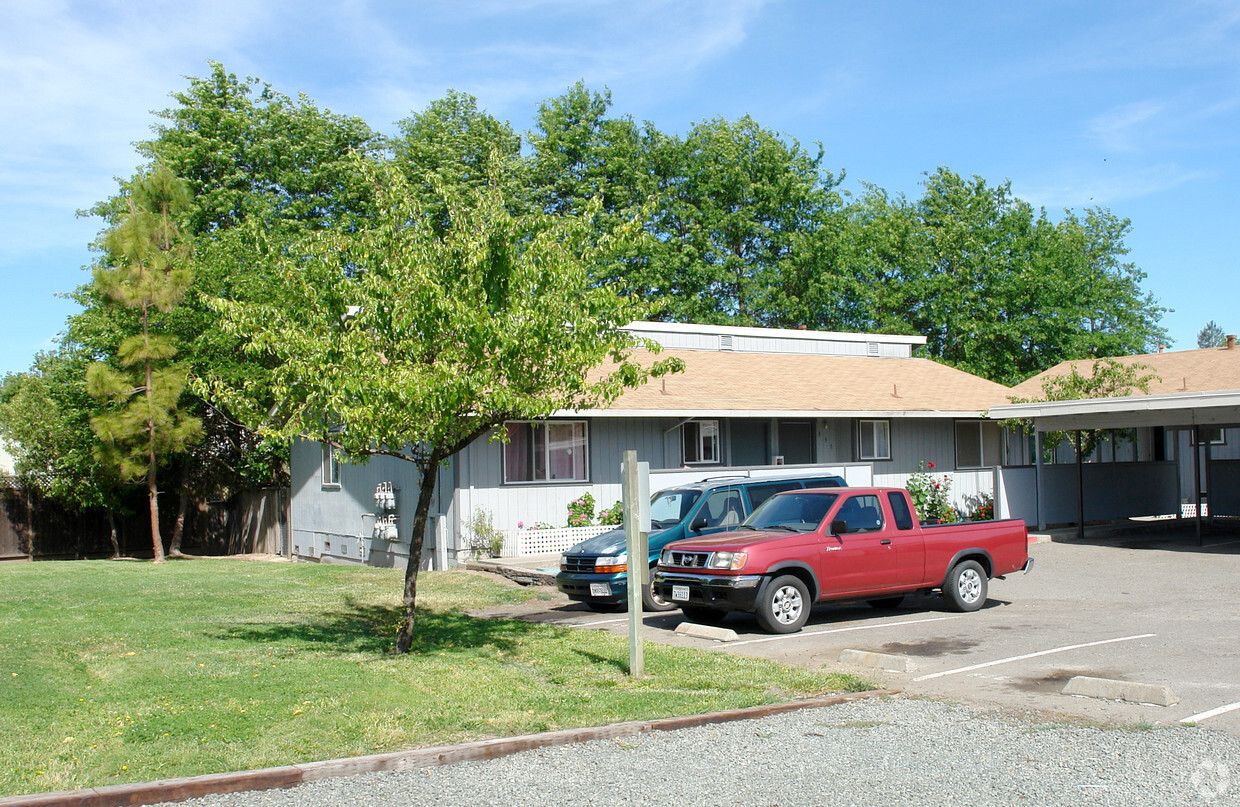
(651,600)
(784,605)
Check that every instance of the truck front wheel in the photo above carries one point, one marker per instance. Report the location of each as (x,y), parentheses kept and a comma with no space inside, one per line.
(965,588)
(784,605)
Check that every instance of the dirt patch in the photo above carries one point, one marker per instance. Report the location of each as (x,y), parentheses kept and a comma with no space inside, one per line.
(267,556)
(940,646)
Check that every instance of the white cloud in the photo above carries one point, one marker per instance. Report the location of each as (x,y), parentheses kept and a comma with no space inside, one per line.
(1076,188)
(510,55)
(1124,128)
(78,83)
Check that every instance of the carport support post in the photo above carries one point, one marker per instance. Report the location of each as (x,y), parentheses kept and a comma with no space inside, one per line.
(638,570)
(1197,480)
(1080,488)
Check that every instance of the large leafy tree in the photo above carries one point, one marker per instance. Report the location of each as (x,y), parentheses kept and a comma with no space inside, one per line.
(45,421)
(146,269)
(412,341)
(997,288)
(453,143)
(737,206)
(247,153)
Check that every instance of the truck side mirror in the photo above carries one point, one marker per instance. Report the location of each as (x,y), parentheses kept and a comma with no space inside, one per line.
(698,525)
(839,526)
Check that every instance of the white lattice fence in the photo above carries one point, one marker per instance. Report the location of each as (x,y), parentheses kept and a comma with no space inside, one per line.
(518,543)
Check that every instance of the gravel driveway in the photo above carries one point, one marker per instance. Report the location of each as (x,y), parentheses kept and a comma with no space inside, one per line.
(891,751)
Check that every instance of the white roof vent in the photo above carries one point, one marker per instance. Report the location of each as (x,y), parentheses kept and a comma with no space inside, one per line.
(871,348)
(725,341)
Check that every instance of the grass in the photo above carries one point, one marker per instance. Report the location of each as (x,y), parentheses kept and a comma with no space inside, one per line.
(116,672)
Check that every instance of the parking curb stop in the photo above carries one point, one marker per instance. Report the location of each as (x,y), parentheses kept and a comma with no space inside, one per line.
(1113,690)
(881,661)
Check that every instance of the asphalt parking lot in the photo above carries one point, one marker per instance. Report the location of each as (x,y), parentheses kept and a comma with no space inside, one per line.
(1152,610)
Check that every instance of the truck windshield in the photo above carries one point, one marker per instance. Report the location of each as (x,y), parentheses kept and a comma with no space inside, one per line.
(799,512)
(669,507)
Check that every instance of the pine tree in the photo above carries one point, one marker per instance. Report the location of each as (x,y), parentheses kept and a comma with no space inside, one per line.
(1211,336)
(146,269)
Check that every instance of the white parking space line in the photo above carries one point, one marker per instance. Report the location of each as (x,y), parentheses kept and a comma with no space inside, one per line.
(1222,710)
(805,633)
(1031,655)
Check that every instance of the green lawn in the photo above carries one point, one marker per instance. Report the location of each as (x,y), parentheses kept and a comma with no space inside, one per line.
(116,672)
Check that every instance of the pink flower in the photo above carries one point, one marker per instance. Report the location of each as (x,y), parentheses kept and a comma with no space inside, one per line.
(929,464)
(520,524)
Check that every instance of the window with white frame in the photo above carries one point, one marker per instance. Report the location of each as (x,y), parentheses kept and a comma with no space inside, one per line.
(546,451)
(1214,435)
(873,440)
(977,444)
(331,466)
(701,439)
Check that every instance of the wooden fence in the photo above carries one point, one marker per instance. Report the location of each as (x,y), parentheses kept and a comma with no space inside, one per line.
(35,527)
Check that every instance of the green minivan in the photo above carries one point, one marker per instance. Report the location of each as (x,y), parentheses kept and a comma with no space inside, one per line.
(596,571)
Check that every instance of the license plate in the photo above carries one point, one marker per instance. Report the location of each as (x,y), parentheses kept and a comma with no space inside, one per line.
(680,593)
(600,590)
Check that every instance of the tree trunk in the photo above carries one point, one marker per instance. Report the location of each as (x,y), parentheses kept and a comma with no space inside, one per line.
(116,547)
(426,492)
(174,547)
(157,540)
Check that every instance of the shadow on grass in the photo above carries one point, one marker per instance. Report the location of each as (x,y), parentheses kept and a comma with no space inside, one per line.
(619,664)
(364,628)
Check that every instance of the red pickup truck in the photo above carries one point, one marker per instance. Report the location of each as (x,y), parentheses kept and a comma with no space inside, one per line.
(808,546)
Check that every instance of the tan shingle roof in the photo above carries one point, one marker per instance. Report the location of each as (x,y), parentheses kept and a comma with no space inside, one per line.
(773,382)
(1207,370)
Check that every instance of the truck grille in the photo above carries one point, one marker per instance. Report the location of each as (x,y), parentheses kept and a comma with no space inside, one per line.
(689,560)
(582,564)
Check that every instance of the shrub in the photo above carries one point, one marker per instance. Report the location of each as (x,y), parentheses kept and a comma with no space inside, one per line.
(930,495)
(581,511)
(612,516)
(484,539)
(985,509)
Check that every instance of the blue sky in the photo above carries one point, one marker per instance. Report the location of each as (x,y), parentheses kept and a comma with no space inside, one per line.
(1134,106)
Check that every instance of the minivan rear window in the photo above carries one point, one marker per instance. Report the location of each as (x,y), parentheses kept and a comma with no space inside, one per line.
(760,493)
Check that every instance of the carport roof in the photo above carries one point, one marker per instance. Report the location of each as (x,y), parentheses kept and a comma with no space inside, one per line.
(1193,387)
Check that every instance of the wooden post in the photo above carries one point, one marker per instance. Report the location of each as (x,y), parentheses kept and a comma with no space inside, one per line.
(637,571)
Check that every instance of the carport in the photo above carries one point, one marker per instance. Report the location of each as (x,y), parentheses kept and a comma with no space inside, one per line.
(1110,491)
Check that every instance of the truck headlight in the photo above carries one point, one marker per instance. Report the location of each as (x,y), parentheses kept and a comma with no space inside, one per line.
(728,560)
(612,564)
(564,563)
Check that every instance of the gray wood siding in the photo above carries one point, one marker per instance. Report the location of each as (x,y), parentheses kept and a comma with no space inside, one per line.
(748,343)
(913,441)
(481,475)
(319,513)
